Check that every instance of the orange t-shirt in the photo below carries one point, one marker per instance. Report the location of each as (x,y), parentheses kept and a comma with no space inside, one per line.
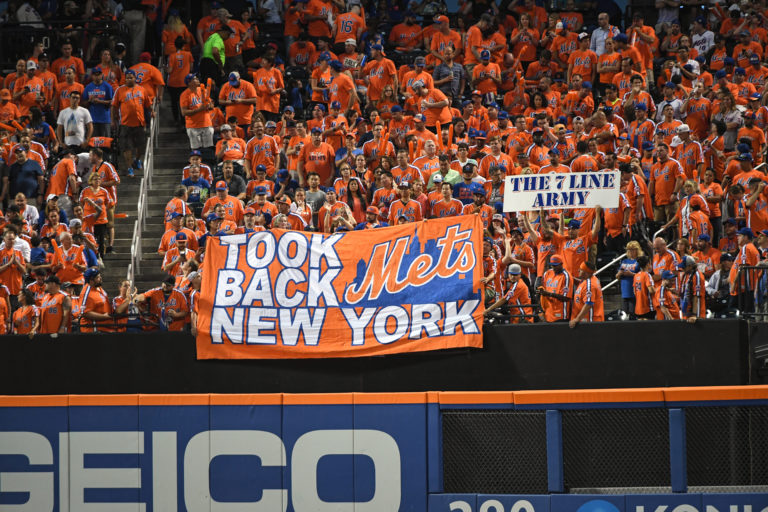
(318,28)
(341,89)
(52,312)
(193,100)
(266,80)
(102,199)
(148,76)
(180,64)
(63,90)
(589,293)
(242,111)
(131,102)
(11,276)
(320,160)
(23,318)
(584,63)
(380,73)
(60,66)
(347,26)
(262,151)
(58,182)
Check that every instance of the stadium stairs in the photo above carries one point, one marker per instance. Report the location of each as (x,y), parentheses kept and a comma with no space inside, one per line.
(171,154)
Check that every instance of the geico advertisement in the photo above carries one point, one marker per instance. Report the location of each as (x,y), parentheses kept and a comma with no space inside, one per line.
(355,458)
(599,503)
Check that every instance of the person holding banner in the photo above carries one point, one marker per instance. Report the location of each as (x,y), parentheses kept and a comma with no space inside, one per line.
(576,248)
(556,292)
(588,298)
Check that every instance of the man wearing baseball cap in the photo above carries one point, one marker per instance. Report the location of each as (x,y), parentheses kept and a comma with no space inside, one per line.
(94,309)
(378,73)
(708,257)
(743,284)
(177,255)
(433,105)
(486,76)
(239,98)
(588,297)
(233,207)
(371,219)
(478,205)
(664,298)
(517,296)
(404,206)
(416,74)
(556,292)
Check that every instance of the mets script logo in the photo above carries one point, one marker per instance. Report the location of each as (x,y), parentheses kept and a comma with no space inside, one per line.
(393,266)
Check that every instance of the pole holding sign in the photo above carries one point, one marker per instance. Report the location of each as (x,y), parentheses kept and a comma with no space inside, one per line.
(554,191)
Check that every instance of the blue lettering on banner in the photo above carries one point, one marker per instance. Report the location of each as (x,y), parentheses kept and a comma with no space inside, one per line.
(164,458)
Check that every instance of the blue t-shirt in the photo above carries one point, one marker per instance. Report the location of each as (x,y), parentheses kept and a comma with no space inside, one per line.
(37,256)
(23,178)
(630,265)
(197,191)
(463,192)
(99,112)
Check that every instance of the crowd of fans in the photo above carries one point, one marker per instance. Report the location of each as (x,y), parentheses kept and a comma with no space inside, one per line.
(358,115)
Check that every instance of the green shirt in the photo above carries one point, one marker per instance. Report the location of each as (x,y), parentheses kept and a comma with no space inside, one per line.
(451,177)
(214,41)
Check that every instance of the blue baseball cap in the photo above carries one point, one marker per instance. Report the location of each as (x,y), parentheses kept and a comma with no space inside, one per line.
(503,114)
(744,157)
(261,190)
(586,85)
(641,106)
(621,38)
(668,274)
(90,273)
(740,71)
(648,145)
(195,152)
(485,55)
(260,168)
(396,108)
(705,237)
(574,224)
(729,61)
(746,232)
(754,59)
(187,78)
(337,65)
(316,130)
(212,217)
(336,105)
(377,47)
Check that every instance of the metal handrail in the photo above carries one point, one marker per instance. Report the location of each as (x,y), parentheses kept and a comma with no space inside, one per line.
(619,258)
(141,207)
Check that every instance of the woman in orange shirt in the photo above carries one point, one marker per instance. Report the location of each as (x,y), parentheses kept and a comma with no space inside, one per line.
(26,319)
(95,201)
(174,28)
(525,39)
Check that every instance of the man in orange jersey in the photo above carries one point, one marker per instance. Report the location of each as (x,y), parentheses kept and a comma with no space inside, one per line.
(378,73)
(268,81)
(478,205)
(318,156)
(239,96)
(556,292)
(342,88)
(693,290)
(667,178)
(95,312)
(588,298)
(583,61)
(233,207)
(62,181)
(128,106)
(404,209)
(576,248)
(29,90)
(664,299)
(167,306)
(66,61)
(261,149)
(55,308)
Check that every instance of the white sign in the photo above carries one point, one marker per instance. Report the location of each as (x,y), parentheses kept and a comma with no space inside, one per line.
(553,191)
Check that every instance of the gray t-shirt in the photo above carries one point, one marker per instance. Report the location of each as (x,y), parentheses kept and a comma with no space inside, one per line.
(236,185)
(316,200)
(452,87)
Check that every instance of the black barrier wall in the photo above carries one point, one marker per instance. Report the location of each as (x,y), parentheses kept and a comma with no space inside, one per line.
(610,355)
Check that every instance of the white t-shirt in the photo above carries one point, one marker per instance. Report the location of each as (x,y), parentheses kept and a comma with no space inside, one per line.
(703,42)
(74,123)
(20,245)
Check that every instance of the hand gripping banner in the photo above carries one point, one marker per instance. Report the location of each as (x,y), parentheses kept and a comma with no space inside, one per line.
(291,294)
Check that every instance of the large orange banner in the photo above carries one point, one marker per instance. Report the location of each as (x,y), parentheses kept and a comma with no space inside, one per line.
(291,294)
